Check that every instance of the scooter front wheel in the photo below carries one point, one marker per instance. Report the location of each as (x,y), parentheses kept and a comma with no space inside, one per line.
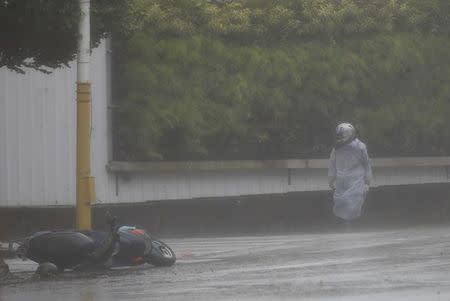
(161,254)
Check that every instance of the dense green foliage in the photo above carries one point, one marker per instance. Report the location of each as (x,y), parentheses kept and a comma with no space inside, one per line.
(42,34)
(253,79)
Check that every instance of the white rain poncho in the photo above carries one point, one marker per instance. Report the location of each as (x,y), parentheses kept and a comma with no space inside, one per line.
(350,171)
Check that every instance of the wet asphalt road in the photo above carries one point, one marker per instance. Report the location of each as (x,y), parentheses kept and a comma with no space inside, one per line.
(402,264)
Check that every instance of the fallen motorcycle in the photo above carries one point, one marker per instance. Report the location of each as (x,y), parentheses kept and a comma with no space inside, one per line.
(136,247)
(78,250)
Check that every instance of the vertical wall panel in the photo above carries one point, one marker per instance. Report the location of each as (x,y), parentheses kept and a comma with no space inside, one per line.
(38,134)
(99,135)
(3,155)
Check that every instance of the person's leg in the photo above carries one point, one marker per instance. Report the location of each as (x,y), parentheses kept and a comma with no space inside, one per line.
(343,223)
(4,269)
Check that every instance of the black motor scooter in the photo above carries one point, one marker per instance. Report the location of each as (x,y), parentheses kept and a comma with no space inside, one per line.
(93,249)
(135,247)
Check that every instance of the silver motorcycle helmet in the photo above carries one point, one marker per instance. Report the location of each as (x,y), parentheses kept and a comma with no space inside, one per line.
(345,133)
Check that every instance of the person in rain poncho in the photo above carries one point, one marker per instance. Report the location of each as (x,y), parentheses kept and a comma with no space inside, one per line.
(349,173)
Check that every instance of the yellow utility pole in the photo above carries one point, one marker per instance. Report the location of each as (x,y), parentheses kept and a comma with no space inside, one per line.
(85,182)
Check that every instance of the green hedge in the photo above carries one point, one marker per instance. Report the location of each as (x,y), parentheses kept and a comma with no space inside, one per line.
(270,79)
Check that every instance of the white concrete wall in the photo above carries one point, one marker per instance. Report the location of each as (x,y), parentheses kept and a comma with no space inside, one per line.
(38,133)
(148,185)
